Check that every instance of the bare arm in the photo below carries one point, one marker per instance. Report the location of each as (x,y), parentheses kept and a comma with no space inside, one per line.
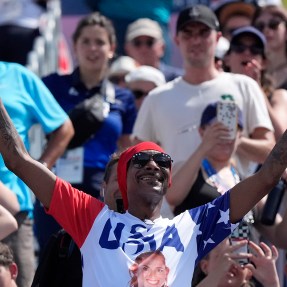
(8,223)
(280,236)
(250,191)
(274,233)
(8,199)
(57,143)
(39,178)
(277,107)
(257,147)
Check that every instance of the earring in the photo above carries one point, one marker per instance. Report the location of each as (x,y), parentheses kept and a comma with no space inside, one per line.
(103,191)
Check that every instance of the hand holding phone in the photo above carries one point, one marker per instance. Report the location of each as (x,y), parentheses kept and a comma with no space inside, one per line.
(227,114)
(242,249)
(238,236)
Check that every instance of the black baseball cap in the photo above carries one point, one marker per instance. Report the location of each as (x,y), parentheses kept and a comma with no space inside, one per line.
(197,13)
(248,30)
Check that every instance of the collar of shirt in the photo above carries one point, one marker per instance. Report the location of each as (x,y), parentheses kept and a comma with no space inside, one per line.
(80,86)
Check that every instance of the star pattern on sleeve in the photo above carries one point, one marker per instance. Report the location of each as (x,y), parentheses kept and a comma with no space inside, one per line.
(209,206)
(224,216)
(209,240)
(212,224)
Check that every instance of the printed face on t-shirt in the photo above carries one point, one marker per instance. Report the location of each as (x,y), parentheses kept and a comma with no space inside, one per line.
(152,272)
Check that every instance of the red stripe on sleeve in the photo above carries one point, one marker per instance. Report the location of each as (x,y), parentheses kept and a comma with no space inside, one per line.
(74,210)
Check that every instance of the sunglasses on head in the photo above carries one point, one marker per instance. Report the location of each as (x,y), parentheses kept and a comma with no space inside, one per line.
(139,94)
(148,43)
(273,24)
(241,48)
(141,159)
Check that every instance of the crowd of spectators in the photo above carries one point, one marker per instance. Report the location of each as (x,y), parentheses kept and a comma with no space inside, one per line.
(124,91)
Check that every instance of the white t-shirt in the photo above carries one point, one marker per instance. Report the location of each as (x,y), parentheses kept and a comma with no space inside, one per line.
(170,115)
(111,242)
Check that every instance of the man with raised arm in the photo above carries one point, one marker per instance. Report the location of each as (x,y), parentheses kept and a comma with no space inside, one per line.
(107,238)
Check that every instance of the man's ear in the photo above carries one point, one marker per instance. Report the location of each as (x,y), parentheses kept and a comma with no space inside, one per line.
(13,270)
(201,131)
(204,266)
(218,35)
(175,39)
(161,48)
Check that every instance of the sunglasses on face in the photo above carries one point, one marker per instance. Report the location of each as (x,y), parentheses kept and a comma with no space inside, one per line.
(240,48)
(148,43)
(141,159)
(273,24)
(117,79)
(139,94)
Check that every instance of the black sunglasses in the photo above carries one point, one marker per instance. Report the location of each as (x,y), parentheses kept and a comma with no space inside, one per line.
(117,79)
(240,48)
(273,24)
(138,43)
(141,159)
(139,94)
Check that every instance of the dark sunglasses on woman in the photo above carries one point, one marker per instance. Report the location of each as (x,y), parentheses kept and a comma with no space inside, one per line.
(241,48)
(273,24)
(141,159)
(148,43)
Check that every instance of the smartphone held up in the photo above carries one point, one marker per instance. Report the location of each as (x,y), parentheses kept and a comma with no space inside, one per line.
(227,113)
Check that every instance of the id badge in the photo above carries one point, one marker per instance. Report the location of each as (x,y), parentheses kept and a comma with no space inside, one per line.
(70,166)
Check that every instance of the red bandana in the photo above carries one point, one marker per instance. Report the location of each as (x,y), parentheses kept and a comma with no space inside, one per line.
(123,162)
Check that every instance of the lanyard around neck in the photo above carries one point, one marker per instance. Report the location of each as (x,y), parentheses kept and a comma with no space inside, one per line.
(216,179)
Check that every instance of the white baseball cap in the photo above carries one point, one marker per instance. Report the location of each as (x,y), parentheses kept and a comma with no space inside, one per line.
(122,65)
(144,27)
(146,73)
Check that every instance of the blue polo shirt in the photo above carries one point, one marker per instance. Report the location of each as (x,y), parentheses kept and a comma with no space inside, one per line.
(70,91)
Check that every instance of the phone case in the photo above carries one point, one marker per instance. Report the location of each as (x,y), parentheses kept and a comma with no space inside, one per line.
(227,114)
(242,249)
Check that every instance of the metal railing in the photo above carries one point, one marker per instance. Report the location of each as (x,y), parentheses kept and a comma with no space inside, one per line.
(43,60)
